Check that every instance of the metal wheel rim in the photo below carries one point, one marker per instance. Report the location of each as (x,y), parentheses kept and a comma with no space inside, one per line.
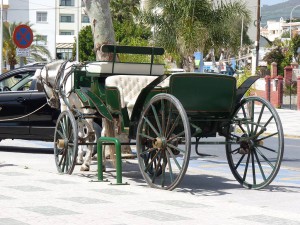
(159,164)
(66,134)
(258,167)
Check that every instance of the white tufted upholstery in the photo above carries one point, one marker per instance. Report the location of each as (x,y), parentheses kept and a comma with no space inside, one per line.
(130,87)
(96,68)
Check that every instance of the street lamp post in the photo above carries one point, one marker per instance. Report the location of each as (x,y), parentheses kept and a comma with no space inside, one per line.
(291,20)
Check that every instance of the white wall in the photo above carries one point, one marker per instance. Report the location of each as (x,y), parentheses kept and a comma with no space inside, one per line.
(18,11)
(44,28)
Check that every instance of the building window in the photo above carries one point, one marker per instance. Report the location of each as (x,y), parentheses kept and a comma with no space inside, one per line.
(64,53)
(85,19)
(41,17)
(66,3)
(41,40)
(67,18)
(66,32)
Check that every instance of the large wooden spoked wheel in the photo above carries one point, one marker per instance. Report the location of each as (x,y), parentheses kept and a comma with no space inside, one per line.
(256,143)
(65,142)
(163,142)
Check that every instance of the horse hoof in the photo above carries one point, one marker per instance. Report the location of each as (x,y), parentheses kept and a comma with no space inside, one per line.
(79,162)
(84,168)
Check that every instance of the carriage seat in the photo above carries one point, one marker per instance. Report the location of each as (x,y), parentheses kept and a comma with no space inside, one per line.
(96,69)
(124,89)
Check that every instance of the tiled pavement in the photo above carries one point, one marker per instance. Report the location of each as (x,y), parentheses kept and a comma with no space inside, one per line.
(31,195)
(207,195)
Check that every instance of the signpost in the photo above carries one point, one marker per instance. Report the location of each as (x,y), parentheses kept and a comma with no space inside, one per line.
(23,38)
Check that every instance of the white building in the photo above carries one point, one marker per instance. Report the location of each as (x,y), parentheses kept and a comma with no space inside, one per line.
(42,18)
(275,29)
(56,21)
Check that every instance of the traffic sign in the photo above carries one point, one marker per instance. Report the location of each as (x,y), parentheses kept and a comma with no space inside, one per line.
(23,52)
(23,36)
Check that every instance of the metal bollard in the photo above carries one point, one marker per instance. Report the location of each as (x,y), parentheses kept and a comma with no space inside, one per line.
(100,142)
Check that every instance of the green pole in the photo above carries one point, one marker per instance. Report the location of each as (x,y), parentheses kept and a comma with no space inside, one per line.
(99,163)
(118,157)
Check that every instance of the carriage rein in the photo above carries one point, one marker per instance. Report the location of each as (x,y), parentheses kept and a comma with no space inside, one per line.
(20,117)
(57,88)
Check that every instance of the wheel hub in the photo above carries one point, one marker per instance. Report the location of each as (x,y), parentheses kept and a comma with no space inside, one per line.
(159,143)
(61,143)
(245,147)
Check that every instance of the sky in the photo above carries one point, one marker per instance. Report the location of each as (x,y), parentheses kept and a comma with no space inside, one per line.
(271,2)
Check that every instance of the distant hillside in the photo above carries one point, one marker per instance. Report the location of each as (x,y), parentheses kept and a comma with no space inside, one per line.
(274,12)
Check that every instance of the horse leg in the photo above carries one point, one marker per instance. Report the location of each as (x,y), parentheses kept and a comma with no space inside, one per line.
(87,159)
(79,159)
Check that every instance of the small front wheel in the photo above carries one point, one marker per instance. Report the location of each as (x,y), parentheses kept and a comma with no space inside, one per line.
(66,142)
(255,143)
(163,142)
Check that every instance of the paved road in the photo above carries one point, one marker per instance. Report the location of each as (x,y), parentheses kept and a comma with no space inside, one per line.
(31,192)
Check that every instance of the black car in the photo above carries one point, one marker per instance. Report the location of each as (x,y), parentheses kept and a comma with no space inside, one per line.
(20,97)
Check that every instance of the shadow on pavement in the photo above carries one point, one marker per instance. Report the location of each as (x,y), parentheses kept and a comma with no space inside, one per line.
(26,150)
(4,165)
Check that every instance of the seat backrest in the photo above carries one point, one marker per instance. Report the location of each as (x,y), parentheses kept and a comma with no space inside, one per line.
(204,94)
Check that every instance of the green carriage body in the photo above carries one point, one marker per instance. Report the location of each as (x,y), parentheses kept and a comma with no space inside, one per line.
(211,105)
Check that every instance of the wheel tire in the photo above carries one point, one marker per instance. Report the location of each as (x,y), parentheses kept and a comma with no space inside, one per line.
(66,142)
(255,162)
(163,157)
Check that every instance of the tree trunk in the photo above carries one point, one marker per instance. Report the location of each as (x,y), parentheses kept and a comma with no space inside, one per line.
(100,17)
(99,14)
(188,63)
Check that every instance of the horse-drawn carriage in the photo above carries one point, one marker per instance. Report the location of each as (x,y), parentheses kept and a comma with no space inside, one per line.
(166,114)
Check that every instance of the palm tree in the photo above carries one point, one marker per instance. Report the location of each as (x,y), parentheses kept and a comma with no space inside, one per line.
(185,26)
(9,47)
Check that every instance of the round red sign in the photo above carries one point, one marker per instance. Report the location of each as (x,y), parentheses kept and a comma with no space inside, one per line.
(23,36)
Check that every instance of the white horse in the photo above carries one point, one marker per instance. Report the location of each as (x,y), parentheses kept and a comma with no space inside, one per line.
(56,78)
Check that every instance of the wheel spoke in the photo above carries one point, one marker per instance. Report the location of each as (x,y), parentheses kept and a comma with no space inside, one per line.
(156,119)
(260,167)
(176,136)
(259,118)
(62,128)
(245,115)
(174,158)
(146,136)
(62,157)
(170,166)
(174,147)
(156,169)
(60,134)
(169,119)
(235,150)
(163,171)
(253,168)
(246,167)
(163,117)
(271,135)
(266,124)
(264,147)
(252,116)
(240,160)
(265,158)
(243,130)
(147,151)
(152,127)
(173,126)
(151,162)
